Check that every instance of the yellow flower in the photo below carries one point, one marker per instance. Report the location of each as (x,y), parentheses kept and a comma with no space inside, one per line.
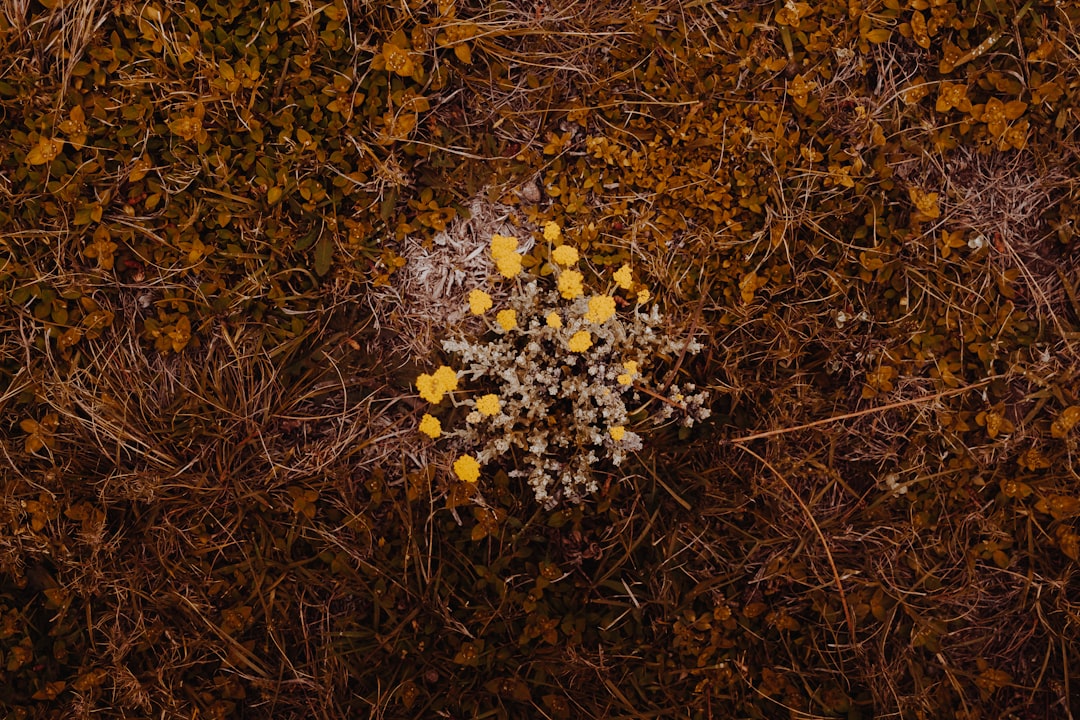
(617,433)
(507,319)
(643,296)
(467,469)
(552,232)
(489,405)
(430,426)
(601,308)
(429,389)
(504,253)
(623,277)
(627,378)
(433,387)
(580,341)
(447,378)
(553,320)
(502,245)
(570,284)
(479,302)
(509,265)
(565,255)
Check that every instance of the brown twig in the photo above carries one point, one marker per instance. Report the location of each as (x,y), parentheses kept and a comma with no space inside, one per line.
(641,388)
(860,413)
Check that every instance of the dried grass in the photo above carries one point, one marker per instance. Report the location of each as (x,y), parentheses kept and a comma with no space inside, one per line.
(252,526)
(427,299)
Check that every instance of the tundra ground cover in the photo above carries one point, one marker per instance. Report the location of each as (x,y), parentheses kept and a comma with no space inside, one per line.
(233,235)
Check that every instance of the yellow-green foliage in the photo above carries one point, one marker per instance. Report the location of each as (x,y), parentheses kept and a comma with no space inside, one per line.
(214,499)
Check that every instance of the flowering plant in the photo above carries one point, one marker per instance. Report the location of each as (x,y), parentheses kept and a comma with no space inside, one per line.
(560,367)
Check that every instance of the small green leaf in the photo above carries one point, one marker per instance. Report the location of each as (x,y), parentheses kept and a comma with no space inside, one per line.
(324,255)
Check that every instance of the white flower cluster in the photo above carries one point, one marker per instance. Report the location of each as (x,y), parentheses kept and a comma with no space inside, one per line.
(566,409)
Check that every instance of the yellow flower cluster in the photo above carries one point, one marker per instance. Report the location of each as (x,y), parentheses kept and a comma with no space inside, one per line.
(502,245)
(504,253)
(565,255)
(479,302)
(624,278)
(580,341)
(433,387)
(525,339)
(489,405)
(552,231)
(507,319)
(430,426)
(467,468)
(570,284)
(601,308)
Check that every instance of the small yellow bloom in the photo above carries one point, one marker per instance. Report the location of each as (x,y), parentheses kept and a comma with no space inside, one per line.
(504,253)
(617,433)
(479,302)
(489,405)
(446,378)
(502,245)
(467,469)
(433,387)
(601,308)
(623,277)
(553,320)
(580,341)
(552,232)
(430,426)
(570,284)
(509,265)
(565,255)
(507,319)
(627,378)
(429,389)
(643,296)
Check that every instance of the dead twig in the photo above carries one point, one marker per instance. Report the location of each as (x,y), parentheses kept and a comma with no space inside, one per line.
(860,413)
(848,617)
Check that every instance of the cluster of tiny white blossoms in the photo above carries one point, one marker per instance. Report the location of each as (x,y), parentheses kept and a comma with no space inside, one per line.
(555,373)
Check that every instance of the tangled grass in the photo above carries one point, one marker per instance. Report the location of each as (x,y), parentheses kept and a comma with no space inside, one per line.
(232,236)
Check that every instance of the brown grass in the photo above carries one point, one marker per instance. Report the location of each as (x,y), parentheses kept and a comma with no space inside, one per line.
(880,520)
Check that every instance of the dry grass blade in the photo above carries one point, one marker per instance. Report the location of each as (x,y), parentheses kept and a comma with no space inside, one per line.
(233,235)
(861,413)
(848,617)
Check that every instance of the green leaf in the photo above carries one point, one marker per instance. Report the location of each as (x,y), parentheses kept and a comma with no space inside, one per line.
(324,255)
(386,207)
(304,242)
